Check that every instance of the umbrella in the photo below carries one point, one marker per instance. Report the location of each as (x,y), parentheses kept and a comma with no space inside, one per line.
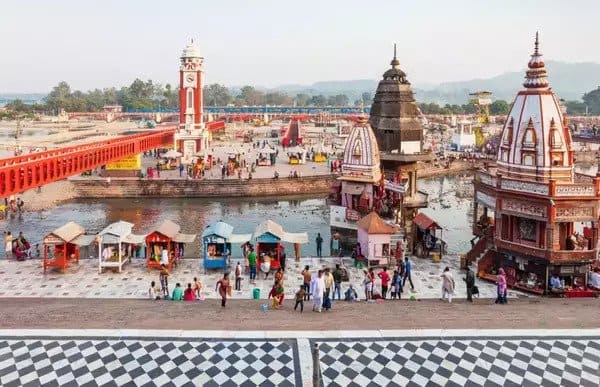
(171,154)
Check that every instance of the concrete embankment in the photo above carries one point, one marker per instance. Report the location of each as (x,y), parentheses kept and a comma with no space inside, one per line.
(125,188)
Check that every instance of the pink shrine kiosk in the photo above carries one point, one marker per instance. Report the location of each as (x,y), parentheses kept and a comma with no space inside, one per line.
(167,236)
(61,246)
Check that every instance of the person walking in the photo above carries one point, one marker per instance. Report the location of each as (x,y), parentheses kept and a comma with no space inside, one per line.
(300,297)
(501,287)
(223,287)
(319,241)
(306,277)
(318,290)
(328,279)
(164,281)
(407,274)
(252,264)
(238,276)
(470,282)
(385,279)
(337,283)
(447,284)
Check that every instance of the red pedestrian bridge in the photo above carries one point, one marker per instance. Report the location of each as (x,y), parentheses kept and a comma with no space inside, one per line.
(20,173)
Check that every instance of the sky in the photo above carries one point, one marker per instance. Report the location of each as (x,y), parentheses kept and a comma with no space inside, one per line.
(103,43)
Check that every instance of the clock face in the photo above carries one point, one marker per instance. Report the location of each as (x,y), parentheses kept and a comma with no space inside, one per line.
(190,79)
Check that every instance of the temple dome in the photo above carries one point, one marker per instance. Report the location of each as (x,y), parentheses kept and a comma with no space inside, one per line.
(361,154)
(535,142)
(394,115)
(191,51)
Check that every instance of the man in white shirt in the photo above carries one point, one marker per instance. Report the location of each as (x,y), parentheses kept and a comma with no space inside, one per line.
(164,257)
(317,292)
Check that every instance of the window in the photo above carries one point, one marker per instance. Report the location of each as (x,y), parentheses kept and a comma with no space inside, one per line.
(528,160)
(190,98)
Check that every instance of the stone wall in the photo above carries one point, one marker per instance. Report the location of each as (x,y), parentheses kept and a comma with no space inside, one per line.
(125,188)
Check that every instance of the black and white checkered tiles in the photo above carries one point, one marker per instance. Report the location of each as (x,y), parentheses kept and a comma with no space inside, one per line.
(403,361)
(149,362)
(461,362)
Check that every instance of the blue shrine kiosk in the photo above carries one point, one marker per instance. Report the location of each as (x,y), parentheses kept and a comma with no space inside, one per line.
(217,239)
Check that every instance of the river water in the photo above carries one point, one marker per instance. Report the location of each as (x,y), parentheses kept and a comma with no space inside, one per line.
(450,206)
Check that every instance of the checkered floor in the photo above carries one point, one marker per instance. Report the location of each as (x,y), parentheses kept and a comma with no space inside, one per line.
(156,362)
(461,362)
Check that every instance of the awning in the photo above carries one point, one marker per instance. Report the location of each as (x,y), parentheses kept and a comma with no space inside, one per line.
(184,238)
(353,188)
(220,229)
(134,239)
(84,240)
(295,237)
(239,238)
(425,222)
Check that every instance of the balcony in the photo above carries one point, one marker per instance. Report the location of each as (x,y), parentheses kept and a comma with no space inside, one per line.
(557,256)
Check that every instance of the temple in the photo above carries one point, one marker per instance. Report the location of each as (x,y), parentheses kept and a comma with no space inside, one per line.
(396,121)
(533,214)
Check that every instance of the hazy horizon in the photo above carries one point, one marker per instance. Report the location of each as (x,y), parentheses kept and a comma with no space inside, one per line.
(97,44)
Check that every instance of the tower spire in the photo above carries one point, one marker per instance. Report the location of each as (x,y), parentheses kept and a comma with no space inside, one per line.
(395,62)
(536,76)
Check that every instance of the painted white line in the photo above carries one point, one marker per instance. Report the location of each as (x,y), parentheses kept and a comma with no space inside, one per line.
(306,362)
(220,334)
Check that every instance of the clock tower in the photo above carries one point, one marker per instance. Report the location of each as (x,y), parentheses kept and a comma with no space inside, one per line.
(190,88)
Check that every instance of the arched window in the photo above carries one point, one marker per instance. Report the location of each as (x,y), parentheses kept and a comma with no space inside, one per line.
(190,98)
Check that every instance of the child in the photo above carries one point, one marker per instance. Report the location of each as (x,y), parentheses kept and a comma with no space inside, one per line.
(197,288)
(153,292)
(188,295)
(238,277)
(351,294)
(300,294)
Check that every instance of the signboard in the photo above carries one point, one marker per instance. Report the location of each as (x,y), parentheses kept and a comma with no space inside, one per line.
(352,215)
(53,240)
(126,164)
(395,187)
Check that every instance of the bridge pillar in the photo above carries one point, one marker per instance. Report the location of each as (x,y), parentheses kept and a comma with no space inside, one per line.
(110,117)
(158,118)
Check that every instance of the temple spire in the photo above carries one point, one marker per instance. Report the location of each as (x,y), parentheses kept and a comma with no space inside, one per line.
(395,62)
(536,76)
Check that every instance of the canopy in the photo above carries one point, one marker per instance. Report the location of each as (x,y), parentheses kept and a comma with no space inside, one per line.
(134,239)
(84,240)
(295,237)
(267,150)
(172,154)
(168,228)
(221,229)
(425,222)
(268,226)
(295,149)
(324,149)
(239,238)
(68,232)
(184,238)
(119,229)
(373,224)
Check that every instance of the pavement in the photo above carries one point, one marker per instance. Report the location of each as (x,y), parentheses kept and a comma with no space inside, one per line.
(321,358)
(82,280)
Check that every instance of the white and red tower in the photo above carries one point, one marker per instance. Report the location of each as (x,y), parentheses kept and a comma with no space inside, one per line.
(190,88)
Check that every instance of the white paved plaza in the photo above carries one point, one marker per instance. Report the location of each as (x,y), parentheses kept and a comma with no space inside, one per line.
(27,279)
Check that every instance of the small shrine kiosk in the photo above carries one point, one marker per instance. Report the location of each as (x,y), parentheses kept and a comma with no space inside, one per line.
(425,236)
(269,237)
(61,246)
(296,155)
(374,237)
(166,236)
(217,239)
(116,244)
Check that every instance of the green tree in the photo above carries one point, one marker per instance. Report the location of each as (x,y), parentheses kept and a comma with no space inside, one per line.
(341,100)
(18,106)
(367,98)
(592,100)
(217,95)
(301,99)
(249,96)
(499,107)
(317,100)
(576,108)
(278,99)
(59,97)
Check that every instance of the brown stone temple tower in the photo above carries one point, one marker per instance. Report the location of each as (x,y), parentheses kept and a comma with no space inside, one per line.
(396,121)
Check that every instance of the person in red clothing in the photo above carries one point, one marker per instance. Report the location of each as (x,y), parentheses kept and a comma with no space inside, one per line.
(385,280)
(188,295)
